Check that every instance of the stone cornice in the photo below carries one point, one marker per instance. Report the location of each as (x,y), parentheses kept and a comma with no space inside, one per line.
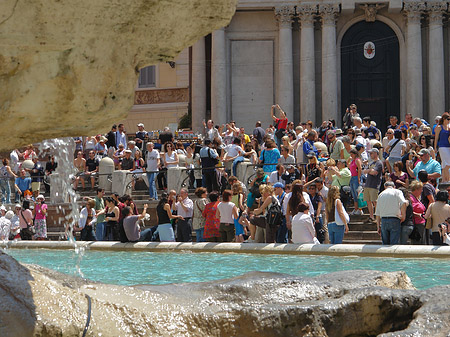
(284,15)
(436,10)
(307,14)
(413,11)
(329,13)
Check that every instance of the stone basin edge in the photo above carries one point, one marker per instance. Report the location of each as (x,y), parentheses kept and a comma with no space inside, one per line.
(397,251)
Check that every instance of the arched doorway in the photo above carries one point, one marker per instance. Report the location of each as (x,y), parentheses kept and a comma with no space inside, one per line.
(370,66)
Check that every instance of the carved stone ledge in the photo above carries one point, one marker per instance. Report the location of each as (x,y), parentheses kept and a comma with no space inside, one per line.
(160,96)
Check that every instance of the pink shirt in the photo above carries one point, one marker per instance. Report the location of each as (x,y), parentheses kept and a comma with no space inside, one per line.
(39,214)
(353,168)
(28,217)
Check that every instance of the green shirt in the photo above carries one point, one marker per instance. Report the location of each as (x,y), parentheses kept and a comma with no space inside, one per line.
(344,179)
(99,205)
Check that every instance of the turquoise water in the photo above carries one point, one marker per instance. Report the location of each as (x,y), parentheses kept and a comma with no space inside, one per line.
(129,268)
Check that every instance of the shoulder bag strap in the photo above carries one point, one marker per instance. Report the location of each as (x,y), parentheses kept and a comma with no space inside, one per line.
(393,145)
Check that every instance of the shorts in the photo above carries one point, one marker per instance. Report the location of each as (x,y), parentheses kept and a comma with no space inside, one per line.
(370,194)
(35,186)
(239,229)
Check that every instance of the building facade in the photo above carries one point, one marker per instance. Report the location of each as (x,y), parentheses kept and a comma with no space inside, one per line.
(315,58)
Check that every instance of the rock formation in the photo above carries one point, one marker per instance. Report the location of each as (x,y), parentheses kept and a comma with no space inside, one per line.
(37,301)
(70,67)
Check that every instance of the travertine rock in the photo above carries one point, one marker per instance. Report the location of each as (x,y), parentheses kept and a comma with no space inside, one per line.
(37,301)
(70,67)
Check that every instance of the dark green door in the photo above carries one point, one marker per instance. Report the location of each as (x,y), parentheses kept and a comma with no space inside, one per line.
(370,71)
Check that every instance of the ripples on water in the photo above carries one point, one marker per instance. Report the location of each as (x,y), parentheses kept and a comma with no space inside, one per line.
(129,268)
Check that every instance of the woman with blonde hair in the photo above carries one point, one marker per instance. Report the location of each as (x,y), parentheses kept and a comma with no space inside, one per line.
(238,200)
(337,217)
(285,142)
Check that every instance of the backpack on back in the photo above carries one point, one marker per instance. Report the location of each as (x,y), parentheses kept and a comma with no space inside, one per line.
(274,215)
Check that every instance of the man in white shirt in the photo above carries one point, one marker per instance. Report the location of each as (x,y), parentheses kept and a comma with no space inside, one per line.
(153,163)
(275,176)
(286,158)
(232,152)
(185,208)
(390,212)
(121,137)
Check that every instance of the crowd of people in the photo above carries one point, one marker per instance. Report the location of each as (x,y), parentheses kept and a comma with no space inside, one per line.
(304,182)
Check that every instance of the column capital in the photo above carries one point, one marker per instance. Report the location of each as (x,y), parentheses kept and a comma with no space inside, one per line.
(413,11)
(284,15)
(307,14)
(436,10)
(329,13)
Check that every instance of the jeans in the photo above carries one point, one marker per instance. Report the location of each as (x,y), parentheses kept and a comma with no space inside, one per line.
(100,231)
(404,235)
(390,230)
(166,233)
(151,185)
(354,187)
(147,234)
(199,235)
(6,191)
(282,233)
(336,233)
(87,234)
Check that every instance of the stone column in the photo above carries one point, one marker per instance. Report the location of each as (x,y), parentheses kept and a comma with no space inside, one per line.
(219,77)
(307,64)
(328,13)
(436,86)
(285,87)
(198,85)
(414,88)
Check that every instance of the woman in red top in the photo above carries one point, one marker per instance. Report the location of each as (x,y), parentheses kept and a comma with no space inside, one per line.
(212,223)
(281,123)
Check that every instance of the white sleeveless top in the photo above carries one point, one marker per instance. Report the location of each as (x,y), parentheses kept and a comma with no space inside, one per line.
(171,158)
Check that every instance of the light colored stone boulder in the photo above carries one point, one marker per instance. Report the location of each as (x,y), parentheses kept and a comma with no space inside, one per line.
(69,68)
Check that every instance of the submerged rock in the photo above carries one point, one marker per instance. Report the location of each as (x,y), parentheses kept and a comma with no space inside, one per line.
(37,301)
(69,68)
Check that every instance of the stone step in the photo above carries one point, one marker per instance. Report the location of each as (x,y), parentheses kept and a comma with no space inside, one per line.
(362,235)
(361,242)
(362,227)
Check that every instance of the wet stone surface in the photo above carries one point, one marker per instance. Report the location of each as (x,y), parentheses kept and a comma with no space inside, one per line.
(354,303)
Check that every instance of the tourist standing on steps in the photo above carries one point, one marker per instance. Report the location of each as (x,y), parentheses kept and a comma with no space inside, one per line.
(227,212)
(209,158)
(40,216)
(337,217)
(5,175)
(112,214)
(355,168)
(280,123)
(164,216)
(99,206)
(390,212)
(373,182)
(87,221)
(153,164)
(198,221)
(441,142)
(184,207)
(439,211)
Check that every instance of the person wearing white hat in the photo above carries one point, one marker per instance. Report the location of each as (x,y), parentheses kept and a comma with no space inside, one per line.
(15,222)
(141,136)
(5,225)
(40,218)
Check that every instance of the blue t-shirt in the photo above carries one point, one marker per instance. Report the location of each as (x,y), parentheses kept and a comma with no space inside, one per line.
(371,132)
(23,184)
(270,157)
(432,166)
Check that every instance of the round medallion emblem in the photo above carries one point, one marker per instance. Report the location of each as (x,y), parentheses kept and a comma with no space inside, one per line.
(369,50)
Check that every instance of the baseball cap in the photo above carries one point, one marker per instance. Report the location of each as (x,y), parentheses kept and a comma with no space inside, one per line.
(140,124)
(423,151)
(278,185)
(359,146)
